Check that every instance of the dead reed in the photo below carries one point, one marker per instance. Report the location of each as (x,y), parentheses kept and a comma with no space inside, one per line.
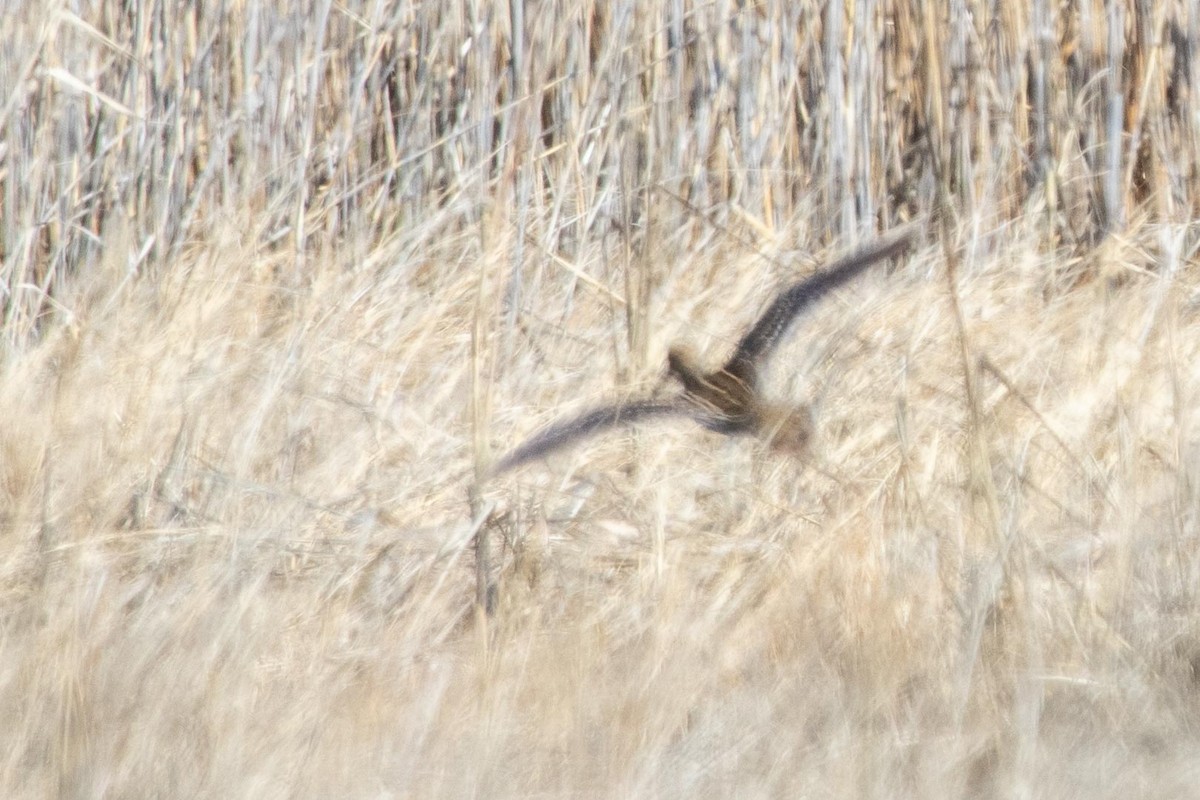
(277,278)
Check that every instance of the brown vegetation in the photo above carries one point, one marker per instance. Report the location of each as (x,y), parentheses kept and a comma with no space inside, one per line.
(277,279)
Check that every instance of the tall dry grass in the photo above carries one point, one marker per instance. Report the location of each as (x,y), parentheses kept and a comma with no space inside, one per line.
(279,280)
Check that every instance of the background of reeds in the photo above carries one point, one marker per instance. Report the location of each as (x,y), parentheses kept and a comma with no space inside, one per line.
(279,279)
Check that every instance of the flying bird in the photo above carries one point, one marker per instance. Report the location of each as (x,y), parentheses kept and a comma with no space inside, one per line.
(727,400)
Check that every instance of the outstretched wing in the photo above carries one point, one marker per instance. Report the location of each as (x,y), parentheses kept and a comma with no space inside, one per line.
(775,321)
(561,434)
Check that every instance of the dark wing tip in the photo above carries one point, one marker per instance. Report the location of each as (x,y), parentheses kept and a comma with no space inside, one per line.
(775,320)
(570,430)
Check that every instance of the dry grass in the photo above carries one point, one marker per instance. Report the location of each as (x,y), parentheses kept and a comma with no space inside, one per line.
(279,282)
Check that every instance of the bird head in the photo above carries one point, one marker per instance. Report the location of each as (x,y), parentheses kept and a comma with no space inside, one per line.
(788,429)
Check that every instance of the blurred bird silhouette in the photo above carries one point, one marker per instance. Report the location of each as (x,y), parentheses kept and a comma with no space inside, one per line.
(727,400)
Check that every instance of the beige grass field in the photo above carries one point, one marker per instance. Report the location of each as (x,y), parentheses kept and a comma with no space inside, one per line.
(280,281)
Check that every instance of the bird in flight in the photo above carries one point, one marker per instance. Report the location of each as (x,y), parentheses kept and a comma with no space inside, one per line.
(727,400)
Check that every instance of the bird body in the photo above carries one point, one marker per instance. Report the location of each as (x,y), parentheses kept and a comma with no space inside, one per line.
(727,400)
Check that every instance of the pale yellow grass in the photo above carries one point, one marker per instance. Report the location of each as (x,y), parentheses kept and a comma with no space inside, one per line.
(277,280)
(238,562)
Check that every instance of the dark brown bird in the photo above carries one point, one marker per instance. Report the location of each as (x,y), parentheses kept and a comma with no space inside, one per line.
(729,399)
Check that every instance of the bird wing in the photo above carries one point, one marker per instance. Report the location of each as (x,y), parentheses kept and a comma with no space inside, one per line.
(561,434)
(774,322)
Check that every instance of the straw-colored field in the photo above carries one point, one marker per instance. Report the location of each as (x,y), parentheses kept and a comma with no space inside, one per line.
(279,282)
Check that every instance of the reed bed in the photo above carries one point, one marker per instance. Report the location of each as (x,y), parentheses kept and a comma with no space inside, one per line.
(280,281)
